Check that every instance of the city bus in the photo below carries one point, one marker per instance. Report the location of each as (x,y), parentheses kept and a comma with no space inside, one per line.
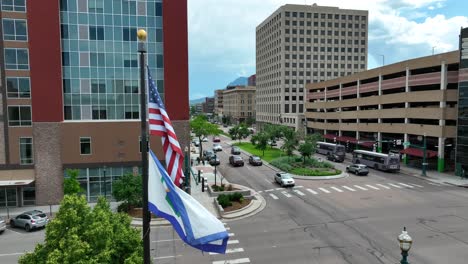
(378,161)
(335,152)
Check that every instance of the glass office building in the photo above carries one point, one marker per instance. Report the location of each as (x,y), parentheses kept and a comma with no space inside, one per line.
(462,129)
(100,59)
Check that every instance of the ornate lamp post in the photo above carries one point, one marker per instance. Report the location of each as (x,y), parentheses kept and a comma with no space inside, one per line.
(105,182)
(187,170)
(405,242)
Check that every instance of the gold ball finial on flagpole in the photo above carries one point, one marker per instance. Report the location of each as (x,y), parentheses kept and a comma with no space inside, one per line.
(141,34)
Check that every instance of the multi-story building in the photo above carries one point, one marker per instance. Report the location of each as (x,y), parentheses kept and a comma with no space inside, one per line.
(218,104)
(70,91)
(252,81)
(462,131)
(209,105)
(397,107)
(300,44)
(239,103)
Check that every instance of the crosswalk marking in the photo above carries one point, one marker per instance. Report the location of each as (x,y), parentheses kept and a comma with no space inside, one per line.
(230,242)
(394,185)
(324,190)
(279,189)
(274,196)
(231,234)
(370,186)
(232,261)
(406,185)
(312,191)
(381,185)
(286,194)
(362,188)
(347,188)
(299,186)
(227,228)
(417,185)
(336,189)
(299,192)
(228,251)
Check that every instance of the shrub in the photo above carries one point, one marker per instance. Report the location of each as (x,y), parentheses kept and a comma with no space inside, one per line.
(230,188)
(236,197)
(123,207)
(218,188)
(224,201)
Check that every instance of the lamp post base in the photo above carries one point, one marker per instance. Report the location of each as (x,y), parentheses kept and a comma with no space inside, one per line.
(404,259)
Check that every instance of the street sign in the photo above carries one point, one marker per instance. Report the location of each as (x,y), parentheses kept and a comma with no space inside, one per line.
(398,142)
(406,144)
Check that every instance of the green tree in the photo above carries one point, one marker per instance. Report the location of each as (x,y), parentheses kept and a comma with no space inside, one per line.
(290,141)
(249,121)
(127,189)
(260,140)
(202,128)
(239,132)
(79,234)
(306,149)
(193,110)
(71,184)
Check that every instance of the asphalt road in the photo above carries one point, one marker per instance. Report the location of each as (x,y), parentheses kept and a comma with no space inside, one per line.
(14,242)
(350,220)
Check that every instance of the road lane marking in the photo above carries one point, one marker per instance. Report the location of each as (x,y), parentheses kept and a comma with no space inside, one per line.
(406,185)
(300,186)
(420,186)
(13,254)
(228,251)
(381,185)
(312,191)
(336,189)
(164,240)
(233,261)
(274,196)
(299,192)
(362,188)
(231,242)
(394,185)
(269,190)
(286,194)
(347,188)
(435,184)
(166,257)
(370,186)
(324,190)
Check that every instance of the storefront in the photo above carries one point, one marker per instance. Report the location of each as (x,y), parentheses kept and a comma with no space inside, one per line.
(17,188)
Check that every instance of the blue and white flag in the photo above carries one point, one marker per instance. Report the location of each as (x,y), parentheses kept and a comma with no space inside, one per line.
(195,225)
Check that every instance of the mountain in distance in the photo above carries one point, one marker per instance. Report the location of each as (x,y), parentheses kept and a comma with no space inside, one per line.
(197,101)
(239,81)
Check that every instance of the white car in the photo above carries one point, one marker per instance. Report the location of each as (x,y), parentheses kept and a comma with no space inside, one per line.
(205,139)
(284,179)
(2,225)
(217,147)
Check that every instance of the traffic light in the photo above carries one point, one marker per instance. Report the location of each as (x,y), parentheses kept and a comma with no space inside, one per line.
(374,147)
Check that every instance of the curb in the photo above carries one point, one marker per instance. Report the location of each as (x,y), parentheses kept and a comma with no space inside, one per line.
(255,206)
(138,222)
(430,179)
(342,175)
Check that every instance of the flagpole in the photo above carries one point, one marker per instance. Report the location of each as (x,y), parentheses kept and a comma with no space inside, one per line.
(144,148)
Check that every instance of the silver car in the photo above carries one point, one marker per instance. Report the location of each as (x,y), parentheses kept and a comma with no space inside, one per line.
(2,225)
(30,220)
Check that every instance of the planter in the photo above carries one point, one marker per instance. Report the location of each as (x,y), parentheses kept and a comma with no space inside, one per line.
(222,212)
(239,189)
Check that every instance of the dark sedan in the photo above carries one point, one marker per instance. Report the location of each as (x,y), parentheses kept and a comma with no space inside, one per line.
(236,161)
(214,161)
(255,161)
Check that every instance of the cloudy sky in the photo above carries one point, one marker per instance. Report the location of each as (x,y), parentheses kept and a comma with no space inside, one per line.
(222,34)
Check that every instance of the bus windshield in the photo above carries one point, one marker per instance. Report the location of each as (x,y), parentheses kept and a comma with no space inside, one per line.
(340,149)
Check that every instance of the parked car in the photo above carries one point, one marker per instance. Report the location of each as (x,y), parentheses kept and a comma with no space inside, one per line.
(216,139)
(235,150)
(2,225)
(217,147)
(272,143)
(196,143)
(30,220)
(225,125)
(207,154)
(255,160)
(214,161)
(236,160)
(358,169)
(284,179)
(205,139)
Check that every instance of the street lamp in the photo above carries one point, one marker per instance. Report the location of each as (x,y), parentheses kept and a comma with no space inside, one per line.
(424,147)
(105,181)
(215,165)
(383,59)
(187,170)
(405,242)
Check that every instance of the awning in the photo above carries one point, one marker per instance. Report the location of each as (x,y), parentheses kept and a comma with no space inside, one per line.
(419,152)
(16,177)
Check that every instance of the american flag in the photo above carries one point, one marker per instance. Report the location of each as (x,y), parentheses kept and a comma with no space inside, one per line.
(160,125)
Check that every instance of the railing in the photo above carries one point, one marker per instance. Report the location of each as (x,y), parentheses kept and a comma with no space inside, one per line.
(194,176)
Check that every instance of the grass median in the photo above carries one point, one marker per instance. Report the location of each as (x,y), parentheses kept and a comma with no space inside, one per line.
(270,153)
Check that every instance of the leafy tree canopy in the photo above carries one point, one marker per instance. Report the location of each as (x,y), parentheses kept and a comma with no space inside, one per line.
(239,132)
(127,189)
(71,184)
(260,140)
(202,128)
(79,234)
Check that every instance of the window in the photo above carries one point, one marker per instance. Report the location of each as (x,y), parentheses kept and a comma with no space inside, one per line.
(19,115)
(129,34)
(99,112)
(26,151)
(97,33)
(85,145)
(14,5)
(97,59)
(130,60)
(159,9)
(18,87)
(16,59)
(131,87)
(98,86)
(14,29)
(95,6)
